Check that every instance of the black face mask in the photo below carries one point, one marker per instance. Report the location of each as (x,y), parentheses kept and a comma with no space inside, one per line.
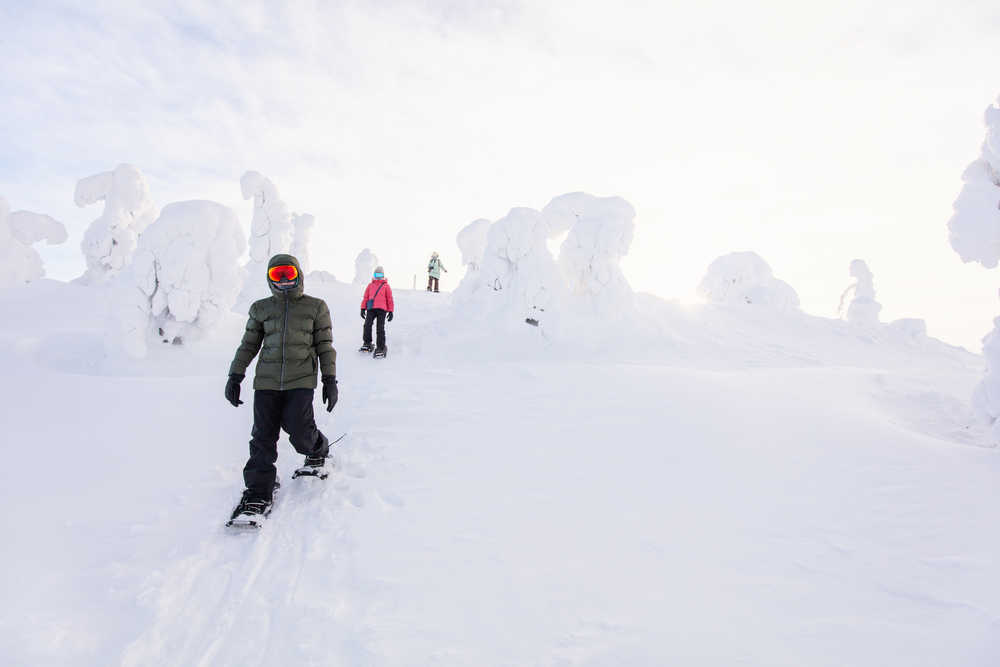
(285,284)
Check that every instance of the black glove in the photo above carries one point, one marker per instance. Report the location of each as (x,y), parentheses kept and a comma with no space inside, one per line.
(233,389)
(363,313)
(330,391)
(389,316)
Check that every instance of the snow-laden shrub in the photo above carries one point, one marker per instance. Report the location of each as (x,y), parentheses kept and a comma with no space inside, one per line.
(864,309)
(974,231)
(302,226)
(185,275)
(600,235)
(111,239)
(364,266)
(744,278)
(19,262)
(471,242)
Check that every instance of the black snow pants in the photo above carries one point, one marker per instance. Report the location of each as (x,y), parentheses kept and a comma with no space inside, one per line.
(372,315)
(291,410)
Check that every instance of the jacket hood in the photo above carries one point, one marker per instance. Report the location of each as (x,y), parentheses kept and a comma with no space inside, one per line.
(295,292)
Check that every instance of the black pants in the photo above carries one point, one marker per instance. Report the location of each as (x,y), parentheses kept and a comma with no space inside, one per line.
(291,410)
(432,283)
(371,315)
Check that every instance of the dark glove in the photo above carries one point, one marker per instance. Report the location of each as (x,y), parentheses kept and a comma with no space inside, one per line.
(330,391)
(363,313)
(233,389)
(389,316)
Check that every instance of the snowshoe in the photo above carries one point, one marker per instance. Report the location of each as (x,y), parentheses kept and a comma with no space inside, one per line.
(251,512)
(379,353)
(315,466)
(367,347)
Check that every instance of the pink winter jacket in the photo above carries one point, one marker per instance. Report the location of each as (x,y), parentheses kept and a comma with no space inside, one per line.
(384,298)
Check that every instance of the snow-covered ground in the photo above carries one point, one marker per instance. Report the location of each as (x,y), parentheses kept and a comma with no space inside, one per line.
(704,485)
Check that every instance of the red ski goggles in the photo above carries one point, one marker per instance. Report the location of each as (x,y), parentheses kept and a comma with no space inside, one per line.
(282,273)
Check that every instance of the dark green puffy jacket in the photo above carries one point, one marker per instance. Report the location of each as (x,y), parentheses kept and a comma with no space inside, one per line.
(291,330)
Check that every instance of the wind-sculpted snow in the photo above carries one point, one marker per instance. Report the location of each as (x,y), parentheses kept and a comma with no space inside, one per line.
(471,242)
(743,278)
(863,310)
(185,275)
(19,230)
(111,239)
(364,266)
(600,235)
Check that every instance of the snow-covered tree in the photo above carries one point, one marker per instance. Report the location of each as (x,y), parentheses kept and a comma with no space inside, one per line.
(974,231)
(864,309)
(744,278)
(518,276)
(185,275)
(302,226)
(111,239)
(600,234)
(364,266)
(974,228)
(270,229)
(19,262)
(471,242)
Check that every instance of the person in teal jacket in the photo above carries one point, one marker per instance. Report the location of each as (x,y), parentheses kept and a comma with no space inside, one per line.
(434,269)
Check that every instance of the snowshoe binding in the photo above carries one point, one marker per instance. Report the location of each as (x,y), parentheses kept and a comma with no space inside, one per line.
(251,512)
(314,466)
(379,353)
(367,347)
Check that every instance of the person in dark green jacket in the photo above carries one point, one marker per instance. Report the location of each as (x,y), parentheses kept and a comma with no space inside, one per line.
(293,333)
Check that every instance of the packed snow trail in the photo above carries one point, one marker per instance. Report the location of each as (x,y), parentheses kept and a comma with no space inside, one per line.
(547,512)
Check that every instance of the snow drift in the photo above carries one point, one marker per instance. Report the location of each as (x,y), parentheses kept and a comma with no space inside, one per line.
(185,275)
(19,262)
(110,240)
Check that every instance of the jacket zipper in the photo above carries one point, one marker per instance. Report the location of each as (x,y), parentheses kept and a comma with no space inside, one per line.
(284,328)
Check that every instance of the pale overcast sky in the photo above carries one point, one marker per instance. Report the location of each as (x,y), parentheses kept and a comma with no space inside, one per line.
(809,132)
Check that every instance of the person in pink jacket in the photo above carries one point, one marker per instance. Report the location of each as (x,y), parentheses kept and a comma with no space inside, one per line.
(376,306)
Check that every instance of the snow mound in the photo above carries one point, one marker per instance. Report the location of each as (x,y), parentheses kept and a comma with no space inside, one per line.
(600,235)
(111,239)
(185,275)
(19,262)
(744,278)
(364,266)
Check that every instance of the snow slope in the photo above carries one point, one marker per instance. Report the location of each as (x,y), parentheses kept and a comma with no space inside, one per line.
(727,487)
